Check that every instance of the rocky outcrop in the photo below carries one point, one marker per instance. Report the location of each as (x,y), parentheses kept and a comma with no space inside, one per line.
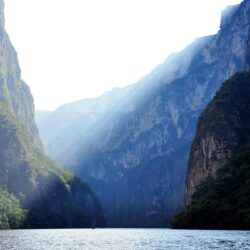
(51,196)
(132,144)
(217,184)
(13,91)
(222,130)
(207,156)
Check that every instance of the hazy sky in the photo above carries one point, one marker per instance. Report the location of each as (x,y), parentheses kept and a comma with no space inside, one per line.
(75,49)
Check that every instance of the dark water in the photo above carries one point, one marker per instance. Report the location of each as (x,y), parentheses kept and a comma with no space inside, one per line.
(107,239)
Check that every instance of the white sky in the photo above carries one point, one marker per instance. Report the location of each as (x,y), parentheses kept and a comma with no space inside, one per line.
(75,49)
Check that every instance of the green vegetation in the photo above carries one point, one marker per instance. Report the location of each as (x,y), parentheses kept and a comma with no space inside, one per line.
(11,214)
(223,202)
(51,196)
(13,127)
(229,112)
(35,192)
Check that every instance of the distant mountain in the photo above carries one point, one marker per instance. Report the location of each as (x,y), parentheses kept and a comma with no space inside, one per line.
(132,144)
(218,179)
(35,192)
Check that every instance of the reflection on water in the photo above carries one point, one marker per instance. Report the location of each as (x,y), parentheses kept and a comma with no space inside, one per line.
(107,239)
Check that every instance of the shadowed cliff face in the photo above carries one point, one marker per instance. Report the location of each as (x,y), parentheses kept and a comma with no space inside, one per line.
(208,156)
(132,144)
(222,131)
(52,196)
(218,178)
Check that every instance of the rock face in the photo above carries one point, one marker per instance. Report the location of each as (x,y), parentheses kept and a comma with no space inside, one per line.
(222,129)
(13,91)
(217,184)
(206,158)
(132,144)
(52,196)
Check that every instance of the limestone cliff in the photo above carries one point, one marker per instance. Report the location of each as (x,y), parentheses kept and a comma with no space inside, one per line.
(217,184)
(51,196)
(222,130)
(13,91)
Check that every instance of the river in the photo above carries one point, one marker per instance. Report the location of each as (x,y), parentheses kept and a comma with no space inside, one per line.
(128,239)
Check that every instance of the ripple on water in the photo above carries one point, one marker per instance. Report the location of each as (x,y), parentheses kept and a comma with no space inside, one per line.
(134,239)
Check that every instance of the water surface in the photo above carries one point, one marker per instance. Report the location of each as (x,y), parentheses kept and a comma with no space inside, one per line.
(128,239)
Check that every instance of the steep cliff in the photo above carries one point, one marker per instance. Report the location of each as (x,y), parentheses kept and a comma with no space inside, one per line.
(30,180)
(218,178)
(14,93)
(223,129)
(132,144)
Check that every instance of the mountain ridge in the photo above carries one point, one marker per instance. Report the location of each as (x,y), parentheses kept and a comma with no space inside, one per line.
(148,129)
